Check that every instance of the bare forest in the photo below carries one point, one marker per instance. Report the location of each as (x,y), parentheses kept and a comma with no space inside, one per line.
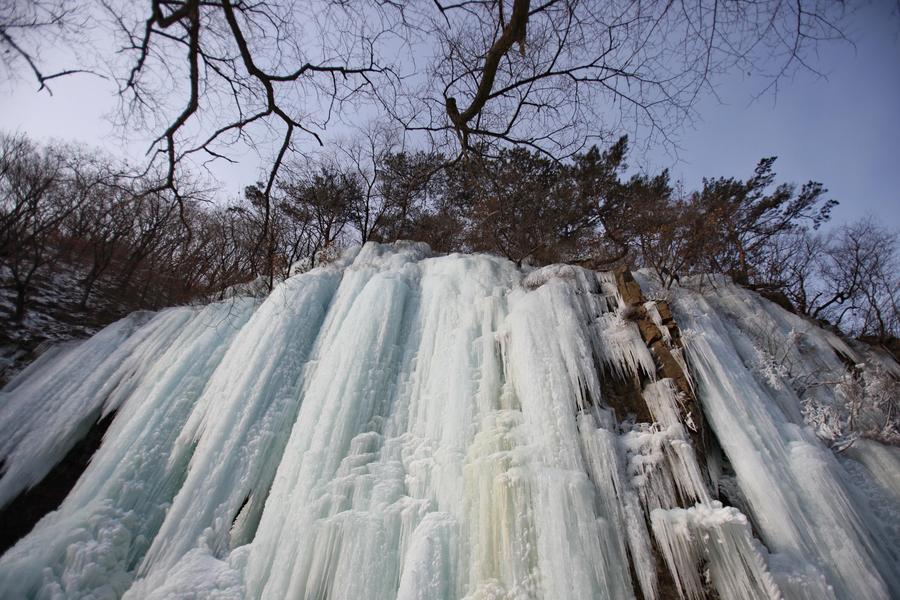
(487,126)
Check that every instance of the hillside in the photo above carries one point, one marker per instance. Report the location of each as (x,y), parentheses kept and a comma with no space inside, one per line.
(55,316)
(400,424)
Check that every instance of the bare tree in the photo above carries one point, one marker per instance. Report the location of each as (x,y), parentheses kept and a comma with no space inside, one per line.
(103,226)
(847,277)
(326,197)
(27,28)
(554,74)
(551,75)
(790,265)
(243,70)
(230,242)
(859,281)
(39,190)
(367,156)
(30,211)
(154,213)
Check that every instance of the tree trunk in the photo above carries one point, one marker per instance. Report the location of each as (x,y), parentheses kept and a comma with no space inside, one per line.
(21,301)
(88,288)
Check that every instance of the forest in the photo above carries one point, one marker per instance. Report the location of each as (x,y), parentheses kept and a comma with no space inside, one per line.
(504,127)
(69,209)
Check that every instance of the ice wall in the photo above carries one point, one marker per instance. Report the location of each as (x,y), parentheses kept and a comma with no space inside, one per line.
(823,539)
(403,425)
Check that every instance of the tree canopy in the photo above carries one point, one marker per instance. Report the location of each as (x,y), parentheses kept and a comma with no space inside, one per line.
(555,76)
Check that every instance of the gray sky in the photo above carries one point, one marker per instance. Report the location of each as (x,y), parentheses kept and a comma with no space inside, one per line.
(842,129)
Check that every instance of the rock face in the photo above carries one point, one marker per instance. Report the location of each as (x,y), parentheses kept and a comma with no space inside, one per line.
(402,425)
(660,333)
(20,515)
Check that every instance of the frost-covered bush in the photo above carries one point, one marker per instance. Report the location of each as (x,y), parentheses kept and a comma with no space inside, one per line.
(781,360)
(865,405)
(859,401)
(871,397)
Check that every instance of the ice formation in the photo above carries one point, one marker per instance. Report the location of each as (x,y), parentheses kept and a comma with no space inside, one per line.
(403,425)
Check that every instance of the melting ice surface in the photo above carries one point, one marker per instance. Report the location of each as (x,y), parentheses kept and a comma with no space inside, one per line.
(402,425)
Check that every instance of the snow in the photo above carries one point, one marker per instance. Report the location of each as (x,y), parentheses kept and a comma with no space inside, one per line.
(402,425)
(54,315)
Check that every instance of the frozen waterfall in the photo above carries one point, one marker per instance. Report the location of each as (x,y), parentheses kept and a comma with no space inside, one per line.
(398,425)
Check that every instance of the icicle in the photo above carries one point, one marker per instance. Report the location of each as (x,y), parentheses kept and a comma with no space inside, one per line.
(619,507)
(429,569)
(663,467)
(882,463)
(719,537)
(653,313)
(240,425)
(662,400)
(90,545)
(793,485)
(500,508)
(52,404)
(621,348)
(402,425)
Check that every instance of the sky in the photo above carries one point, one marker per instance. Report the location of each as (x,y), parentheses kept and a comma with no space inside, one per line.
(841,128)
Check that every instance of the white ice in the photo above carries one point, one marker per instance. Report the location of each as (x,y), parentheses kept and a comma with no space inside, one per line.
(798,493)
(403,425)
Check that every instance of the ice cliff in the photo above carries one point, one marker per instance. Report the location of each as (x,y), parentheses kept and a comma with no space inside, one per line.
(402,425)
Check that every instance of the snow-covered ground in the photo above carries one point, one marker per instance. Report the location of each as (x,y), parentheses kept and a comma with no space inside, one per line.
(402,425)
(53,316)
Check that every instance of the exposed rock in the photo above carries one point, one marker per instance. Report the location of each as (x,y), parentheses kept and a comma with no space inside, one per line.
(19,516)
(667,365)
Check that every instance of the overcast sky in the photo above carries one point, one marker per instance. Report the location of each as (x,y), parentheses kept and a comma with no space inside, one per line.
(842,129)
